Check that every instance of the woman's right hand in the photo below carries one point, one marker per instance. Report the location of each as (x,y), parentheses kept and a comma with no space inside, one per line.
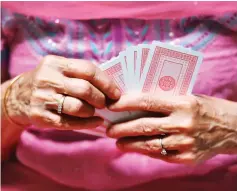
(35,96)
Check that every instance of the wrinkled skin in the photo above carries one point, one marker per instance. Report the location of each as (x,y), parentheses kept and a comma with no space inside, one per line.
(196,127)
(35,96)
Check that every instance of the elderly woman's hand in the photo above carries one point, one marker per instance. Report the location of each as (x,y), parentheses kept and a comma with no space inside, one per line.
(36,96)
(196,127)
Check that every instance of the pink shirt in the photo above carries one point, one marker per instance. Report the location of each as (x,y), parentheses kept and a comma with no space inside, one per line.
(142,10)
(73,161)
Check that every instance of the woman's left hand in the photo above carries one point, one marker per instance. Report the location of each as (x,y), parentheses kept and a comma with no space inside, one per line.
(196,127)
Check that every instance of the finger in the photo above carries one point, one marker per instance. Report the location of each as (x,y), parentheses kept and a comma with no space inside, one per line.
(144,102)
(187,158)
(48,119)
(71,106)
(88,71)
(152,145)
(143,127)
(81,89)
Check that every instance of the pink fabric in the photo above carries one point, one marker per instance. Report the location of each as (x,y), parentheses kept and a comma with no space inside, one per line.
(98,165)
(19,178)
(72,161)
(142,10)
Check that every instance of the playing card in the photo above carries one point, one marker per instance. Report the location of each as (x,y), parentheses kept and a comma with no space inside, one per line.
(144,51)
(114,70)
(170,70)
(123,59)
(155,68)
(135,63)
(131,62)
(129,59)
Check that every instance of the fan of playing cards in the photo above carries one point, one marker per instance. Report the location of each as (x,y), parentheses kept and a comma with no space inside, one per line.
(158,68)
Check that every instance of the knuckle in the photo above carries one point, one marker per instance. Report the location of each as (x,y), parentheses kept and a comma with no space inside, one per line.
(75,107)
(68,67)
(49,59)
(66,84)
(86,89)
(100,99)
(150,147)
(184,140)
(53,62)
(189,142)
(191,104)
(78,106)
(54,121)
(189,158)
(108,86)
(38,79)
(89,70)
(188,124)
(146,102)
(42,80)
(194,104)
(144,127)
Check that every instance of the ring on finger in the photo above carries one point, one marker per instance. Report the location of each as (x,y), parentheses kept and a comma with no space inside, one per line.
(163,151)
(60,105)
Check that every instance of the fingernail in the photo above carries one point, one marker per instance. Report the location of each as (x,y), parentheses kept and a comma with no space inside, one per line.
(117,93)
